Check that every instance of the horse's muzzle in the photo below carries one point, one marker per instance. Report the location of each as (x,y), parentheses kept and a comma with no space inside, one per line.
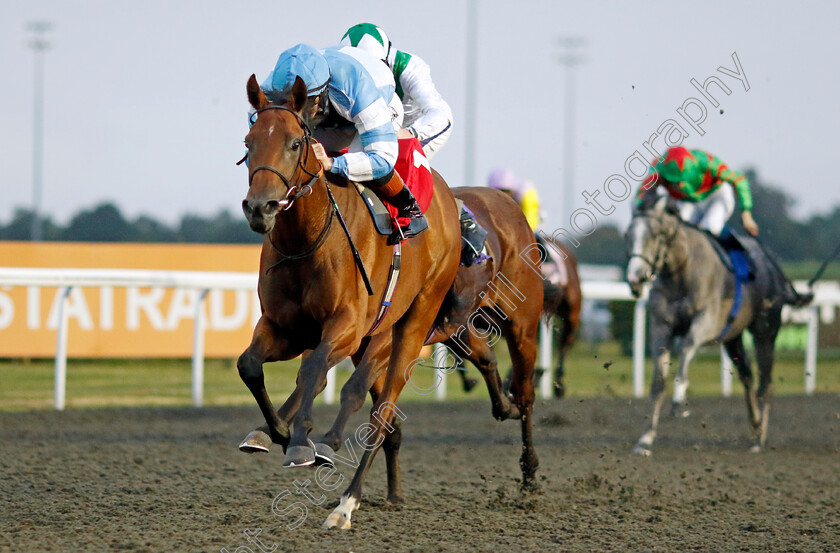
(260,215)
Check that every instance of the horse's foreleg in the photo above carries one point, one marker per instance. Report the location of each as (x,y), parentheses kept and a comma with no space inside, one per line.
(312,378)
(250,365)
(661,363)
(679,404)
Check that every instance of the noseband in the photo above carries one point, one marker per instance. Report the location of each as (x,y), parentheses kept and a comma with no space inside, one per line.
(293,192)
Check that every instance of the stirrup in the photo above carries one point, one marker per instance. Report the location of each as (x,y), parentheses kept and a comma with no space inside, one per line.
(415,226)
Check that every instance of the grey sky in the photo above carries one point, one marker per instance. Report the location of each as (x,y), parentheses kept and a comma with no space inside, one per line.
(145,101)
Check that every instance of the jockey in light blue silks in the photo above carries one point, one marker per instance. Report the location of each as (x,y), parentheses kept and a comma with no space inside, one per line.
(428,117)
(355,107)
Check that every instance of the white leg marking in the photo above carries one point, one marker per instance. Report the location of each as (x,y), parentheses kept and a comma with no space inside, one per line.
(680,388)
(340,517)
(644,443)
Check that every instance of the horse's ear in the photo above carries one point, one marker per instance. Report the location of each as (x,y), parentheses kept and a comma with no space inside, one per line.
(298,94)
(660,205)
(255,94)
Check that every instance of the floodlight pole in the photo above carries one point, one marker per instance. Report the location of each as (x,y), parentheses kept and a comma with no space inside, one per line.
(569,59)
(39,45)
(470,88)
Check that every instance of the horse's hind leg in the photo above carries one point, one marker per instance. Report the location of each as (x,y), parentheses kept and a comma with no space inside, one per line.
(481,355)
(764,353)
(736,351)
(522,344)
(370,366)
(569,321)
(408,337)
(391,447)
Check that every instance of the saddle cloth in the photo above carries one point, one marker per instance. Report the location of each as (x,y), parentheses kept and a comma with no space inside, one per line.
(554,268)
(414,169)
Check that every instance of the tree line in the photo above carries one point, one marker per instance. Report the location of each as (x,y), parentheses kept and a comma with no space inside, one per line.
(810,240)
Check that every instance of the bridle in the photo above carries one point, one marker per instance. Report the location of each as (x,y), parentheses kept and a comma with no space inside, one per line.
(293,192)
(663,245)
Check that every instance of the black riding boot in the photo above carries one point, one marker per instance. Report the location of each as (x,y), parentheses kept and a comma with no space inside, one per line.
(407,206)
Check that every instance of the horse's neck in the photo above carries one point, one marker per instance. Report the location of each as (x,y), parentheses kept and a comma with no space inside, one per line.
(691,257)
(300,226)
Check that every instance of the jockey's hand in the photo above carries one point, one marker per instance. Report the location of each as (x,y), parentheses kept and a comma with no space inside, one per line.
(404,133)
(321,155)
(749,223)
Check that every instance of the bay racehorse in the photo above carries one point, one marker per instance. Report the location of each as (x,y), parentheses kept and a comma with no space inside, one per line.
(563,302)
(690,304)
(500,297)
(314,303)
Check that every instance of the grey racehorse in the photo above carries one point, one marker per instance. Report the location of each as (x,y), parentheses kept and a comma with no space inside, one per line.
(690,301)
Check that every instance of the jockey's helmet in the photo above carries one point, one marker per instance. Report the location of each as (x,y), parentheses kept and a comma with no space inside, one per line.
(302,61)
(503,179)
(678,161)
(369,38)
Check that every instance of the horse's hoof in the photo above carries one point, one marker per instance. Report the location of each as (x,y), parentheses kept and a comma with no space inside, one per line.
(680,410)
(256,442)
(530,486)
(642,450)
(469,384)
(337,520)
(299,456)
(395,500)
(324,455)
(755,449)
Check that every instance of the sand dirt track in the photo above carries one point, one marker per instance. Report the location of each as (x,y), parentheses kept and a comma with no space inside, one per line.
(172,480)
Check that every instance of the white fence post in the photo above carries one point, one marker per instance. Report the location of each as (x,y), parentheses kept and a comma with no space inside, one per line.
(61,349)
(198,350)
(439,352)
(725,372)
(546,336)
(811,352)
(639,321)
(329,390)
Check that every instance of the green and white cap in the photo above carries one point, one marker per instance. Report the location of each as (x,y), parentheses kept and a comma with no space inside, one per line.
(369,38)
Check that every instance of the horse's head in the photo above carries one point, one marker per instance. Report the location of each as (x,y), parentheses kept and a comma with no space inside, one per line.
(649,237)
(281,163)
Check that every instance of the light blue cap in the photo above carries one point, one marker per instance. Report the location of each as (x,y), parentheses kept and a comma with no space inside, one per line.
(301,61)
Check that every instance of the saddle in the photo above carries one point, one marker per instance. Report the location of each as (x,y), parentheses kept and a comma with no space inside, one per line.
(413,167)
(735,257)
(733,254)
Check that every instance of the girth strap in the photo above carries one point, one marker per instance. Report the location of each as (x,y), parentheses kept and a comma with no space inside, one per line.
(390,289)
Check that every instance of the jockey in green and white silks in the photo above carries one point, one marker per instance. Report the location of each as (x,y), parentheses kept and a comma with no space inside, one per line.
(354,106)
(427,116)
(704,187)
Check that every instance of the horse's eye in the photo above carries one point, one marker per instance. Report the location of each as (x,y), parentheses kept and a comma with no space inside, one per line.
(295,145)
